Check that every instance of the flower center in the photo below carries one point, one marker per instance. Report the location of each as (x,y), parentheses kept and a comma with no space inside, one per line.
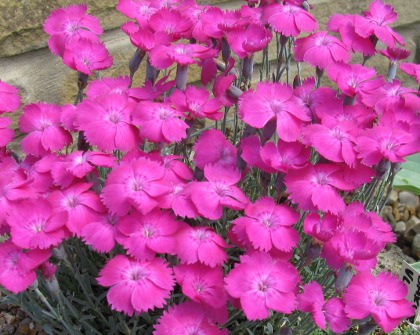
(137,184)
(114,117)
(137,273)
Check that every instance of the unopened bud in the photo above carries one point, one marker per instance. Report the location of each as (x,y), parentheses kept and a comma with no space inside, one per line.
(135,62)
(248,68)
(181,77)
(344,276)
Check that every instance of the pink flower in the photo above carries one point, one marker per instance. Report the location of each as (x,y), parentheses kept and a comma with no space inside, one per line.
(321,50)
(385,142)
(145,39)
(383,297)
(6,134)
(263,283)
(145,235)
(273,100)
(34,224)
(86,56)
(136,286)
(163,56)
(105,86)
(197,103)
(202,284)
(289,20)
(250,151)
(135,184)
(322,229)
(17,266)
(412,70)
(210,196)
(171,22)
(80,204)
(375,23)
(106,122)
(141,10)
(151,91)
(311,300)
(249,41)
(9,98)
(345,25)
(352,79)
(69,24)
(314,187)
(269,225)
(212,147)
(332,140)
(285,156)
(42,123)
(200,244)
(395,54)
(159,122)
(187,318)
(100,231)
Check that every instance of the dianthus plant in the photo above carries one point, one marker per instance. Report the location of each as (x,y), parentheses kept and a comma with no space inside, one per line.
(229,205)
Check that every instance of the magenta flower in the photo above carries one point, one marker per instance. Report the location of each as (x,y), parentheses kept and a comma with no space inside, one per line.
(285,156)
(383,297)
(171,22)
(141,10)
(105,86)
(163,56)
(45,134)
(100,232)
(35,224)
(345,25)
(6,134)
(322,229)
(219,190)
(9,98)
(151,91)
(263,283)
(385,142)
(200,244)
(375,23)
(86,56)
(145,39)
(143,236)
(269,225)
(80,204)
(412,70)
(159,122)
(314,187)
(249,41)
(187,318)
(106,122)
(333,140)
(250,150)
(395,54)
(213,148)
(311,300)
(289,20)
(136,286)
(321,50)
(18,266)
(68,24)
(352,79)
(202,284)
(273,100)
(136,184)
(197,103)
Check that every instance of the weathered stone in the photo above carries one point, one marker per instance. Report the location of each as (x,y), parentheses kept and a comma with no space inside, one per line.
(408,199)
(393,197)
(388,216)
(413,224)
(415,246)
(391,260)
(9,318)
(400,227)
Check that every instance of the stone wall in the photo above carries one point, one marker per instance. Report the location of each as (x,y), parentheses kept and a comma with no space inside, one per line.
(26,62)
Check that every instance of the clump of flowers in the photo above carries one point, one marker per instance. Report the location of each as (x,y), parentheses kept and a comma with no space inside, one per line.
(216,207)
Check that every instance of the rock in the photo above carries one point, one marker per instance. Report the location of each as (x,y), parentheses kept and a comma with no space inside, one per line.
(408,199)
(415,246)
(400,227)
(388,215)
(9,318)
(8,329)
(391,260)
(413,224)
(393,197)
